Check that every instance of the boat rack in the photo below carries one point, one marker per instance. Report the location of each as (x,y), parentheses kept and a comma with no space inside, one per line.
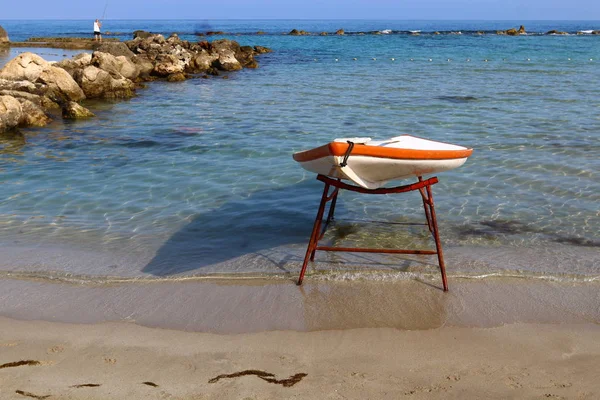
(423,186)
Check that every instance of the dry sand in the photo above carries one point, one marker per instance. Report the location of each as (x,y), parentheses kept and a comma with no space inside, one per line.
(496,339)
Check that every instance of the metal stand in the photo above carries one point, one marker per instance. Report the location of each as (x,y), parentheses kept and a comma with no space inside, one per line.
(423,186)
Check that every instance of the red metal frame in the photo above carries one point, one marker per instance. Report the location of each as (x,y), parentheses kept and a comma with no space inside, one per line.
(424,188)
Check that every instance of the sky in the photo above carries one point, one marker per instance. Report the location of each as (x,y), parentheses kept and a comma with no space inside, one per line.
(518,10)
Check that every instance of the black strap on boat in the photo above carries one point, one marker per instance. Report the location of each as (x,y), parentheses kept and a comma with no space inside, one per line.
(350,147)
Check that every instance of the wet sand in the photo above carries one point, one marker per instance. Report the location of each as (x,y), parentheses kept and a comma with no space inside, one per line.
(251,339)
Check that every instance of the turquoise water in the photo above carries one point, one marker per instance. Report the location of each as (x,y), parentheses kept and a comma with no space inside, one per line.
(196,178)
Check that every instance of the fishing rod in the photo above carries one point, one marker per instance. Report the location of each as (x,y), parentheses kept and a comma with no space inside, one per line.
(104,13)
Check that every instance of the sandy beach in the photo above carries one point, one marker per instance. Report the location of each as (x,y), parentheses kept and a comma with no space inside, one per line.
(502,338)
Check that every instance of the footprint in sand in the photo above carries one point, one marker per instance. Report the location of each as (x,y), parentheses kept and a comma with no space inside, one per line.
(55,349)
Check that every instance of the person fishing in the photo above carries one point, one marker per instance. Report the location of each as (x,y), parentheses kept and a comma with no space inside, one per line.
(97,33)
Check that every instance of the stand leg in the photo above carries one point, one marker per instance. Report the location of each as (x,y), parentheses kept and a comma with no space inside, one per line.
(314,237)
(436,236)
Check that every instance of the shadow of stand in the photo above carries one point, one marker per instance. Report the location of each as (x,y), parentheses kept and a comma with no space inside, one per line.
(266,220)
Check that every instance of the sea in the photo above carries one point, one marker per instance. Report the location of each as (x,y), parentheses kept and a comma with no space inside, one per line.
(195,179)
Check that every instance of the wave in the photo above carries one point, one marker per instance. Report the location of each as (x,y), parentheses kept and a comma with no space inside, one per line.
(320,276)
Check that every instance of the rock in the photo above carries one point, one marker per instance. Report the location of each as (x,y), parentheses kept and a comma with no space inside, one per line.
(202,62)
(260,33)
(72,110)
(141,34)
(144,65)
(32,115)
(116,49)
(262,50)
(97,83)
(22,86)
(521,30)
(31,67)
(227,51)
(436,33)
(26,66)
(595,32)
(500,32)
(323,34)
(512,32)
(245,55)
(121,65)
(555,32)
(167,64)
(178,77)
(41,101)
(296,32)
(81,60)
(10,113)
(3,36)
(340,32)
(61,86)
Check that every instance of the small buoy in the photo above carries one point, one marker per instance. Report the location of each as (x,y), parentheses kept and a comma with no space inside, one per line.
(336,60)
(354,58)
(485,60)
(529,59)
(412,59)
(374,59)
(569,59)
(591,59)
(393,59)
(430,59)
(449,60)
(468,59)
(315,59)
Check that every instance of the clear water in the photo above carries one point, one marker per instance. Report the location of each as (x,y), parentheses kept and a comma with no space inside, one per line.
(196,178)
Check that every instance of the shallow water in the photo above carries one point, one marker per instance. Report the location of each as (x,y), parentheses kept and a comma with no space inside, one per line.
(196,178)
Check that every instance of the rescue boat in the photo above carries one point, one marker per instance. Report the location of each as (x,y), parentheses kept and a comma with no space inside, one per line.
(372,163)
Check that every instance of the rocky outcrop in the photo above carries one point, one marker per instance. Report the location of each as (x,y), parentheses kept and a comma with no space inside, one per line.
(141,34)
(32,114)
(340,32)
(296,32)
(120,65)
(512,32)
(521,30)
(99,84)
(555,32)
(72,110)
(32,88)
(3,36)
(11,113)
(59,85)
(116,49)
(26,66)
(595,32)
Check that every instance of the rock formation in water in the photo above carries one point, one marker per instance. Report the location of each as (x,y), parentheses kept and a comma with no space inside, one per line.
(33,90)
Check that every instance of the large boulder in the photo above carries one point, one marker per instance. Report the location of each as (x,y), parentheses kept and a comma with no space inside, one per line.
(72,110)
(512,32)
(61,86)
(167,64)
(32,114)
(97,83)
(141,34)
(3,36)
(80,61)
(521,30)
(202,62)
(26,66)
(120,65)
(116,49)
(10,113)
(144,65)
(227,50)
